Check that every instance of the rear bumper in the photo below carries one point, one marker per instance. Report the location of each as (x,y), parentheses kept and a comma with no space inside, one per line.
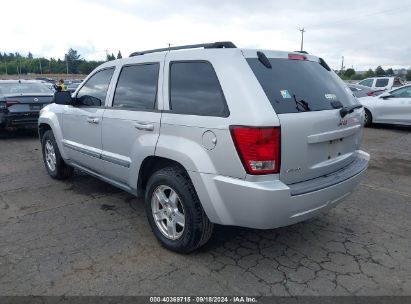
(271,204)
(24,119)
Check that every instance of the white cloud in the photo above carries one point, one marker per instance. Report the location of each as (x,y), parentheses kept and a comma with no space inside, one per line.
(360,31)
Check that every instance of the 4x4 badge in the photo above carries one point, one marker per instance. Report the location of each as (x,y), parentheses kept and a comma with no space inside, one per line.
(343,122)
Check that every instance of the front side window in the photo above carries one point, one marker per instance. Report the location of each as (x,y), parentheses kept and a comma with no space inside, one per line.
(402,93)
(195,90)
(137,87)
(367,82)
(381,83)
(94,91)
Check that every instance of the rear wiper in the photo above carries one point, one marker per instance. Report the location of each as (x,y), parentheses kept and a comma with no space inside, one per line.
(301,103)
(346,110)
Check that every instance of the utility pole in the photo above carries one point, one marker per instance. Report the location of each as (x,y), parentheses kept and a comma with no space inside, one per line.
(302,38)
(342,64)
(41,72)
(66,64)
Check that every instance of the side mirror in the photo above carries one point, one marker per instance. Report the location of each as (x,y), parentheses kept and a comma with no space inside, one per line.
(63,98)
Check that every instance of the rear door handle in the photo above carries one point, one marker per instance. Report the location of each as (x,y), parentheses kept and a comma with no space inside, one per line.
(93,120)
(144,126)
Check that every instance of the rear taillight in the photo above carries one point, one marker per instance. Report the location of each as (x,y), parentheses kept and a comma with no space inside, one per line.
(372,93)
(296,57)
(258,148)
(9,103)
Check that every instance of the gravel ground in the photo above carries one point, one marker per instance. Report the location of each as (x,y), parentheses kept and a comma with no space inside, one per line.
(85,237)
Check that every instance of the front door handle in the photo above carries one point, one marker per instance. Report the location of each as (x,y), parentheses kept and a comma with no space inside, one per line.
(93,120)
(144,126)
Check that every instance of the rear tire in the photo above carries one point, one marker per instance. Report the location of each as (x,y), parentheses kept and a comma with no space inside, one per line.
(170,195)
(367,118)
(54,163)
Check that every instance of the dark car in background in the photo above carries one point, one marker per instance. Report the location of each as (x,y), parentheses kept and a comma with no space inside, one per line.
(21,102)
(363,91)
(71,87)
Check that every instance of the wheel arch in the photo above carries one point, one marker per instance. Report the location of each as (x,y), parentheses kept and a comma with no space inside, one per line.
(150,165)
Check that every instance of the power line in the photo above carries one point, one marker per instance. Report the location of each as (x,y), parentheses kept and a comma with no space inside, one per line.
(347,20)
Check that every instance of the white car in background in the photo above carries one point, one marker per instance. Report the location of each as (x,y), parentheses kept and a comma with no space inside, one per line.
(392,107)
(382,83)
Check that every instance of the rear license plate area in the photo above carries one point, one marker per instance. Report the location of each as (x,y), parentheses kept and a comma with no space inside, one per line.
(36,107)
(335,148)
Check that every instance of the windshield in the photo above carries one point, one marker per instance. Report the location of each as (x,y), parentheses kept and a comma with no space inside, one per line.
(294,86)
(23,88)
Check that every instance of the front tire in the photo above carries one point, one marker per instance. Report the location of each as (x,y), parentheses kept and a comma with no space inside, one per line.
(55,165)
(174,211)
(367,118)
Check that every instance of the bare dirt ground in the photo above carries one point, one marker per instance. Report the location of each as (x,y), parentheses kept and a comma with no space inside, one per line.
(85,237)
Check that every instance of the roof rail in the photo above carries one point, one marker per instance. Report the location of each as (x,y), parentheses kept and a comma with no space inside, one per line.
(213,45)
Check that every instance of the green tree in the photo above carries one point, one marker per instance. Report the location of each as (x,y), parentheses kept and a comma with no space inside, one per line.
(73,58)
(369,73)
(110,57)
(349,73)
(408,76)
(119,56)
(390,71)
(30,56)
(379,71)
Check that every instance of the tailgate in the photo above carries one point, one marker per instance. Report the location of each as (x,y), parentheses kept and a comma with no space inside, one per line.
(317,143)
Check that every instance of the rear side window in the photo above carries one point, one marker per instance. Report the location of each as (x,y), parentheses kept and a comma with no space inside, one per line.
(93,93)
(381,83)
(137,87)
(195,90)
(294,86)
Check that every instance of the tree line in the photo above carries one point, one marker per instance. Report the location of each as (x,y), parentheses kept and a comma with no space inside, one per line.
(73,63)
(351,74)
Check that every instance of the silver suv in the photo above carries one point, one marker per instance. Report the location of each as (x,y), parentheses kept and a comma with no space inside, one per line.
(212,135)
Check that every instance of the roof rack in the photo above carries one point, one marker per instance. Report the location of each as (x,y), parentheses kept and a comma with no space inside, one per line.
(212,45)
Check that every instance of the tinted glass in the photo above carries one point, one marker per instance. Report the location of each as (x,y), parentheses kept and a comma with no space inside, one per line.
(367,82)
(137,87)
(294,86)
(94,92)
(24,88)
(381,83)
(195,89)
(402,93)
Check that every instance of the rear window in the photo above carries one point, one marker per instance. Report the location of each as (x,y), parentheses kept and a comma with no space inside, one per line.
(24,88)
(294,86)
(381,83)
